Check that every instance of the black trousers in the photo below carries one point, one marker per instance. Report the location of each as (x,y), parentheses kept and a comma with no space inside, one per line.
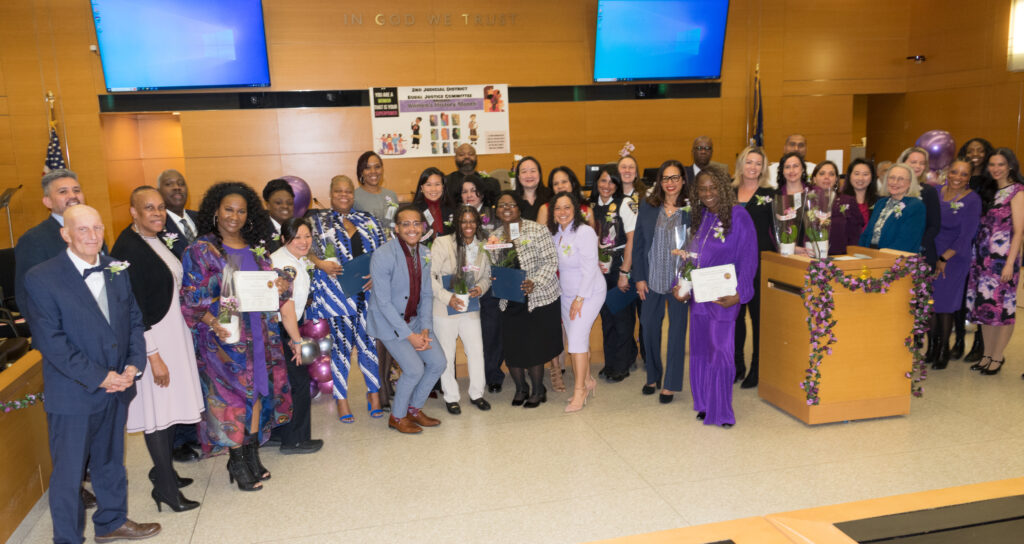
(299,428)
(620,349)
(490,329)
(186,433)
(754,307)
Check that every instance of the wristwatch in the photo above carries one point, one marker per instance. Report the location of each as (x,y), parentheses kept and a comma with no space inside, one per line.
(624,273)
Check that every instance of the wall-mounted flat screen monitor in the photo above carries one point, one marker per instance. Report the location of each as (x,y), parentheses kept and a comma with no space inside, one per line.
(152,45)
(642,40)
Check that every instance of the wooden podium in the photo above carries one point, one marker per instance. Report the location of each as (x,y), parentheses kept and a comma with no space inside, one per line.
(865,375)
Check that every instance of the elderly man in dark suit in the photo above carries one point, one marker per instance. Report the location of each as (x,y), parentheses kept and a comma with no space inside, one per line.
(42,242)
(180,222)
(89,329)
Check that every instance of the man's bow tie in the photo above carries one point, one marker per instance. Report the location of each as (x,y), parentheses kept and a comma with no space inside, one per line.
(88,271)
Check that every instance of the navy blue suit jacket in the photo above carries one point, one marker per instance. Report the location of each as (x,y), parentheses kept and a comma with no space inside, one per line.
(40,243)
(171,227)
(643,237)
(78,346)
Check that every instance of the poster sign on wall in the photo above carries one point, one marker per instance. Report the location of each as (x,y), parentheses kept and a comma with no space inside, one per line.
(431,121)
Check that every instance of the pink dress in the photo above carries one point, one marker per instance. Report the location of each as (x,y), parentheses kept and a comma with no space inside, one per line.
(155,408)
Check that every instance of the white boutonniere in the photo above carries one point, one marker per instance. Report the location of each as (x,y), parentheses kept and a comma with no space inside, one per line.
(276,236)
(899,210)
(390,202)
(116,267)
(567,250)
(169,239)
(843,208)
(955,206)
(763,199)
(426,257)
(259,250)
(719,231)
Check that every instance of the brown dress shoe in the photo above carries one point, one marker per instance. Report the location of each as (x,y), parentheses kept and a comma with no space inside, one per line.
(131,531)
(88,499)
(404,425)
(423,419)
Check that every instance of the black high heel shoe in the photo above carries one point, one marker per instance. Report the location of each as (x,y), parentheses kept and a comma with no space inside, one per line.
(987,371)
(982,365)
(520,397)
(651,389)
(180,503)
(182,482)
(238,470)
(536,400)
(252,457)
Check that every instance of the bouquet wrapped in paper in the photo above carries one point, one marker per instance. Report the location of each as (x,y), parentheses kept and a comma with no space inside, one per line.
(786,222)
(817,214)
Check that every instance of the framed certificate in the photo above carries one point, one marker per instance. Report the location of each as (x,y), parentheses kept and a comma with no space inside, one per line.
(256,291)
(713,282)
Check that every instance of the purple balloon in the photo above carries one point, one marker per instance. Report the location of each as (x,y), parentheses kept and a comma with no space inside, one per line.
(314,388)
(315,328)
(303,195)
(320,370)
(941,148)
(327,388)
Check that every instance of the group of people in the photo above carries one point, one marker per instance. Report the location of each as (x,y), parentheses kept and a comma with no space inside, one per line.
(172,349)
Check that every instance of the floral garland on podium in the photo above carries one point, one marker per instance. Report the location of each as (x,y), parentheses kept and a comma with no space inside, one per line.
(24,402)
(817,295)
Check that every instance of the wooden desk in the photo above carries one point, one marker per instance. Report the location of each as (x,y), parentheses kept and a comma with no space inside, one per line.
(865,375)
(24,448)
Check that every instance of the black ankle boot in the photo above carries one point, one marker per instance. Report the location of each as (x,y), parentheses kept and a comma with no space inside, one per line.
(536,400)
(933,348)
(958,347)
(977,348)
(751,380)
(252,457)
(238,471)
(942,357)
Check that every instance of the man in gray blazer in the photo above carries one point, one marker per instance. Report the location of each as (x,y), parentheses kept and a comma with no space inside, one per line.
(400,315)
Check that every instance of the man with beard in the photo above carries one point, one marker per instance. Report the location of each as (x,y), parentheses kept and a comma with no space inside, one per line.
(465,161)
(43,242)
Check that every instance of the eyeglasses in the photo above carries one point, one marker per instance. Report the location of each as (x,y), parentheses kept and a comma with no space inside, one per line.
(407,224)
(507,205)
(672,179)
(702,148)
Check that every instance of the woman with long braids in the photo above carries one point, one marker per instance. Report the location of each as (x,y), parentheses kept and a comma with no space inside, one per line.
(246,382)
(724,234)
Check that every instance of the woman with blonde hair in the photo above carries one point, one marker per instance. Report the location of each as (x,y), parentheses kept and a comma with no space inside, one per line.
(898,221)
(754,192)
(917,159)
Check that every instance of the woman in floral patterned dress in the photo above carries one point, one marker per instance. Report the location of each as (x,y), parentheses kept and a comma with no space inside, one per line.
(245,384)
(992,287)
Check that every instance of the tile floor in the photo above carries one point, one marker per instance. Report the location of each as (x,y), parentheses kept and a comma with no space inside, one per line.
(624,465)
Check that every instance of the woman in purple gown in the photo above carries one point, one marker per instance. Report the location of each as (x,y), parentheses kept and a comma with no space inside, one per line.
(244,379)
(961,211)
(724,234)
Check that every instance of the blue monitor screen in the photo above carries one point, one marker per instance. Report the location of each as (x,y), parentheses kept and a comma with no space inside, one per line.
(659,39)
(149,45)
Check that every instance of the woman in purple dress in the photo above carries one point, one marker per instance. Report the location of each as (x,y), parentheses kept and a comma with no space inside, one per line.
(583,288)
(992,287)
(724,235)
(242,371)
(961,210)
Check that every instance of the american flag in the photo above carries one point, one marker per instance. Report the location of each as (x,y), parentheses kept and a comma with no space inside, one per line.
(54,156)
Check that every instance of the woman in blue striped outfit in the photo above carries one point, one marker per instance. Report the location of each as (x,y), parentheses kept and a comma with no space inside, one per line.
(350,233)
